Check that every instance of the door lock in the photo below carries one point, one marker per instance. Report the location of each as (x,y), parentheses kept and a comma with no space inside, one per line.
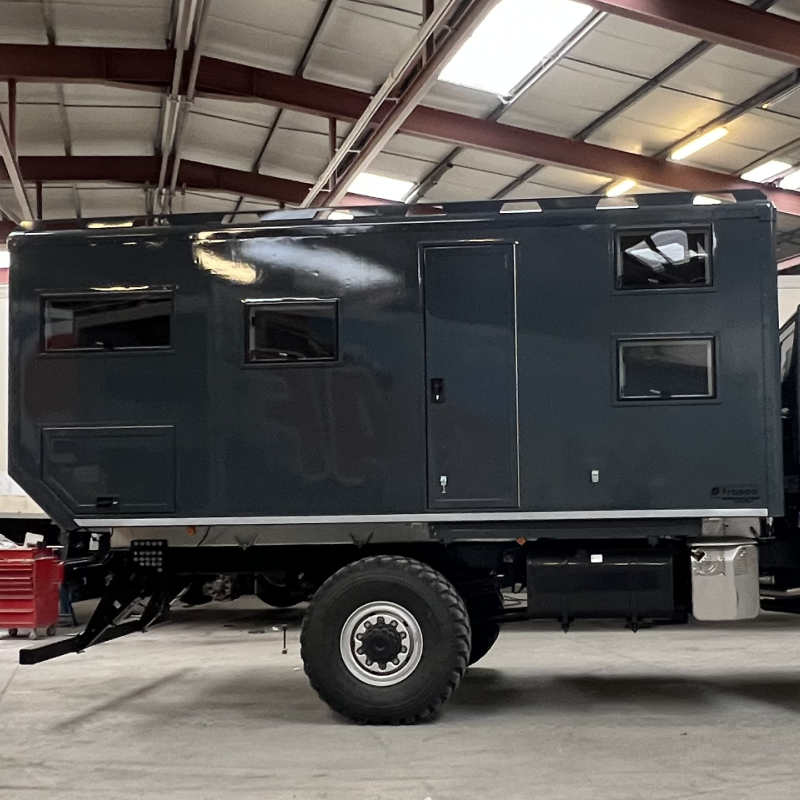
(437,390)
(443,483)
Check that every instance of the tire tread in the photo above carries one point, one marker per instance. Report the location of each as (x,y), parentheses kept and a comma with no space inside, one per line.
(456,608)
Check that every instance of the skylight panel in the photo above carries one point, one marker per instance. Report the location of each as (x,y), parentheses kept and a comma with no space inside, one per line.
(380,186)
(515,36)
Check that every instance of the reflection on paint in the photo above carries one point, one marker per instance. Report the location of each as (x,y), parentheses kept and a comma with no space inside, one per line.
(221,265)
(332,269)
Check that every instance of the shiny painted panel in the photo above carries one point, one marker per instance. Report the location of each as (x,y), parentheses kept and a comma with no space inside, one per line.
(348,438)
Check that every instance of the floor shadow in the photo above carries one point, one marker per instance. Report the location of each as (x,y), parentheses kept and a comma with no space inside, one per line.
(494,689)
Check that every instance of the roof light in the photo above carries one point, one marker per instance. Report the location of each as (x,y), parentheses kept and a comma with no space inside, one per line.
(766,171)
(791,181)
(706,200)
(381,186)
(114,223)
(515,36)
(620,187)
(704,140)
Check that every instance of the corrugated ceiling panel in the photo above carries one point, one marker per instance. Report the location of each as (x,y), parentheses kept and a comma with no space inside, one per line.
(57,202)
(86,94)
(787,8)
(139,23)
(402,167)
(125,132)
(299,148)
(570,180)
(657,121)
(39,131)
(631,47)
(729,75)
(22,23)
(271,35)
(569,97)
(414,147)
(249,113)
(116,201)
(222,141)
(494,163)
(361,43)
(460,183)
(461,99)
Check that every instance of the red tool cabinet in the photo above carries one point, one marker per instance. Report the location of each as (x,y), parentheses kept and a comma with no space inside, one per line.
(30,580)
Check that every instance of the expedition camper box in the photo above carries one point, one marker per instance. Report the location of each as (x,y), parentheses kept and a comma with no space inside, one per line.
(400,412)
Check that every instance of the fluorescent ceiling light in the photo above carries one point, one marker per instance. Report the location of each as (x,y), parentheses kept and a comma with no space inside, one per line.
(340,215)
(705,200)
(515,36)
(791,181)
(704,140)
(620,187)
(381,186)
(766,171)
(111,224)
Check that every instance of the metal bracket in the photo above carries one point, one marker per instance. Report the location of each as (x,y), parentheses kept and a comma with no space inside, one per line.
(140,577)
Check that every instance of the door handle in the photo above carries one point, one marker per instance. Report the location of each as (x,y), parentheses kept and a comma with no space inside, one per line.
(437,390)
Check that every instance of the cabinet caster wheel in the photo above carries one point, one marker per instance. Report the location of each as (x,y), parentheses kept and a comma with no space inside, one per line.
(33,635)
(12,632)
(51,630)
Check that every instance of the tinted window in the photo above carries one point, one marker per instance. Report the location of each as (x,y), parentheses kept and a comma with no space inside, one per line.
(665,369)
(108,321)
(293,331)
(787,348)
(663,259)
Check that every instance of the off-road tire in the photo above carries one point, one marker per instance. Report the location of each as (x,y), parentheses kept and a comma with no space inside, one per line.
(485,631)
(446,640)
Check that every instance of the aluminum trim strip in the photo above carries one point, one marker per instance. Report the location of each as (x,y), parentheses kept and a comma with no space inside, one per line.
(449,516)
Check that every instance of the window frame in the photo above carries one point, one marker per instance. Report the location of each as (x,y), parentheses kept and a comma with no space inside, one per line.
(645,230)
(98,294)
(252,303)
(694,338)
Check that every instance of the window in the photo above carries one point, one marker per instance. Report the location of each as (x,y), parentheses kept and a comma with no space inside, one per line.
(663,259)
(293,331)
(666,369)
(108,321)
(787,347)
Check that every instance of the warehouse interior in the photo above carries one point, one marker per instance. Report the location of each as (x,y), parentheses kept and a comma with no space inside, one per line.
(144,109)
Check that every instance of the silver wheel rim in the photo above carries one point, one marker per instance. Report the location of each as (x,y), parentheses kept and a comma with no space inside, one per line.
(403,625)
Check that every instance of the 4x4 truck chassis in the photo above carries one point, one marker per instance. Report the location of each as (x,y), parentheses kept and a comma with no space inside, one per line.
(400,412)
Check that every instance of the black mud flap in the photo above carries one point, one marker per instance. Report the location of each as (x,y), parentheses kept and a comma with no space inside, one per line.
(140,577)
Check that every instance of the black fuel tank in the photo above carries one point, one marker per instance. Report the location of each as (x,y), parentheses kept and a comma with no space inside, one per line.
(601,581)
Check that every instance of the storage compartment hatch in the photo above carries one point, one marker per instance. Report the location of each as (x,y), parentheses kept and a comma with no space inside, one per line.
(111,470)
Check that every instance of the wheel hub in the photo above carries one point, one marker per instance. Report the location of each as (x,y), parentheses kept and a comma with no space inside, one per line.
(381,643)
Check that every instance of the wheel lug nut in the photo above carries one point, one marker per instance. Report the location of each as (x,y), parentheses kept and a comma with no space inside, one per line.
(403,649)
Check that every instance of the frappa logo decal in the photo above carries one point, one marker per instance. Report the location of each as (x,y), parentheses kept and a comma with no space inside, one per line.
(736,493)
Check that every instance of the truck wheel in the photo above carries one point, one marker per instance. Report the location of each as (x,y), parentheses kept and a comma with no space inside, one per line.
(385,640)
(485,631)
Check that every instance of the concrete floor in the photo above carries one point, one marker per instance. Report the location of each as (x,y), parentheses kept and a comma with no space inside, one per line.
(207,707)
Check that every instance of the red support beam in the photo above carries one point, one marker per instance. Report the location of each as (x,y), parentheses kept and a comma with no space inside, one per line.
(6,226)
(717,21)
(228,80)
(144,169)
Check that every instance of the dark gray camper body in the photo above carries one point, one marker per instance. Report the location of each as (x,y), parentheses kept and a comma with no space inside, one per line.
(397,417)
(474,383)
